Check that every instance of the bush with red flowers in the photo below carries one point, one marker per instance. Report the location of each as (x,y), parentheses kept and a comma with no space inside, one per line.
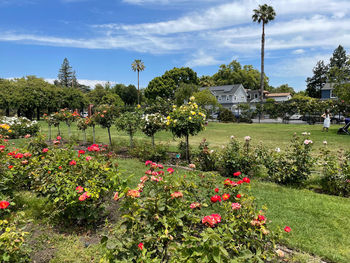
(179,219)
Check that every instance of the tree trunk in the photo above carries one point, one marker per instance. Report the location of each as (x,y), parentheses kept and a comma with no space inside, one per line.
(153,140)
(84,131)
(69,132)
(8,112)
(262,66)
(138,87)
(131,141)
(109,136)
(93,134)
(38,114)
(49,133)
(58,128)
(187,150)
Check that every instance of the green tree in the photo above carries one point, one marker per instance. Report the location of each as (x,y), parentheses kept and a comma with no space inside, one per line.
(128,93)
(263,15)
(317,81)
(138,66)
(129,122)
(284,88)
(166,85)
(184,92)
(65,75)
(206,81)
(206,100)
(105,116)
(100,96)
(338,58)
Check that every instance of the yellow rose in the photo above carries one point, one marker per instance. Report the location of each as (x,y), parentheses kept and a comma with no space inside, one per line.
(190,118)
(168,118)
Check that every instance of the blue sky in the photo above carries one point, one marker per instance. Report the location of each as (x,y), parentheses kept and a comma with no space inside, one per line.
(102,38)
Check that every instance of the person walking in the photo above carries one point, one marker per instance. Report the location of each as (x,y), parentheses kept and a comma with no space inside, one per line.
(327,120)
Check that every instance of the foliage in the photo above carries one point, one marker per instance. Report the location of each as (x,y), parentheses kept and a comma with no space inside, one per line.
(146,151)
(14,127)
(205,159)
(74,182)
(166,85)
(236,157)
(205,99)
(12,238)
(104,96)
(317,81)
(172,219)
(185,121)
(294,165)
(127,93)
(336,173)
(151,124)
(234,73)
(83,123)
(225,115)
(129,122)
(184,92)
(105,115)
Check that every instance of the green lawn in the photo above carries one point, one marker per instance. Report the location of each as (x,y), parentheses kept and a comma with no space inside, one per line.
(217,134)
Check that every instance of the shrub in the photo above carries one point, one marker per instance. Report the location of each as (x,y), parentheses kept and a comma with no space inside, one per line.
(15,127)
(205,159)
(225,115)
(236,157)
(151,124)
(336,174)
(294,165)
(12,239)
(173,219)
(145,151)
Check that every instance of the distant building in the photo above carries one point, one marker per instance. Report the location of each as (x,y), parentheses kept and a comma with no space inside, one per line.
(327,92)
(229,95)
(279,97)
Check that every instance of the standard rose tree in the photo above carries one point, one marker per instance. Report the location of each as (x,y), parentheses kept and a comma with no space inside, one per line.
(105,116)
(186,120)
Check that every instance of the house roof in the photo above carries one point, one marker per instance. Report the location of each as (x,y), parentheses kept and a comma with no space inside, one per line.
(327,86)
(278,94)
(224,89)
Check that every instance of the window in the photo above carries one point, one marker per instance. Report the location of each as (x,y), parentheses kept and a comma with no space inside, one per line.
(227,97)
(331,95)
(248,96)
(256,95)
(234,98)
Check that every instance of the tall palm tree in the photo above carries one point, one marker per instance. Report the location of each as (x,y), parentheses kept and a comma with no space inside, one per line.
(138,66)
(263,15)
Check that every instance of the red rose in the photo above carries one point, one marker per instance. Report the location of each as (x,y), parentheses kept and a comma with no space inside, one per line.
(261,218)
(287,229)
(45,150)
(79,189)
(72,162)
(4,204)
(216,190)
(170,170)
(140,245)
(239,196)
(246,180)
(225,197)
(215,198)
(81,152)
(237,174)
(10,166)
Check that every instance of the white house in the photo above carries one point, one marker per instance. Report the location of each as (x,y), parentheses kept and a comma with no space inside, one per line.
(279,97)
(229,96)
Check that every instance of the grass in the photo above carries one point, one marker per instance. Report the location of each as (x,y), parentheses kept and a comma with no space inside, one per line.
(272,135)
(318,221)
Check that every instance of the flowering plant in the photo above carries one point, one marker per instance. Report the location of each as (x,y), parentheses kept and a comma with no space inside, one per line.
(186,120)
(152,123)
(15,127)
(173,219)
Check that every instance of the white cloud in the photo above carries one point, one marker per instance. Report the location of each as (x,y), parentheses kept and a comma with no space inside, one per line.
(298,51)
(202,58)
(87,82)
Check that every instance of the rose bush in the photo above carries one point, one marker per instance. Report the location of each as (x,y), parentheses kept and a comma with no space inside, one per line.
(173,218)
(15,127)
